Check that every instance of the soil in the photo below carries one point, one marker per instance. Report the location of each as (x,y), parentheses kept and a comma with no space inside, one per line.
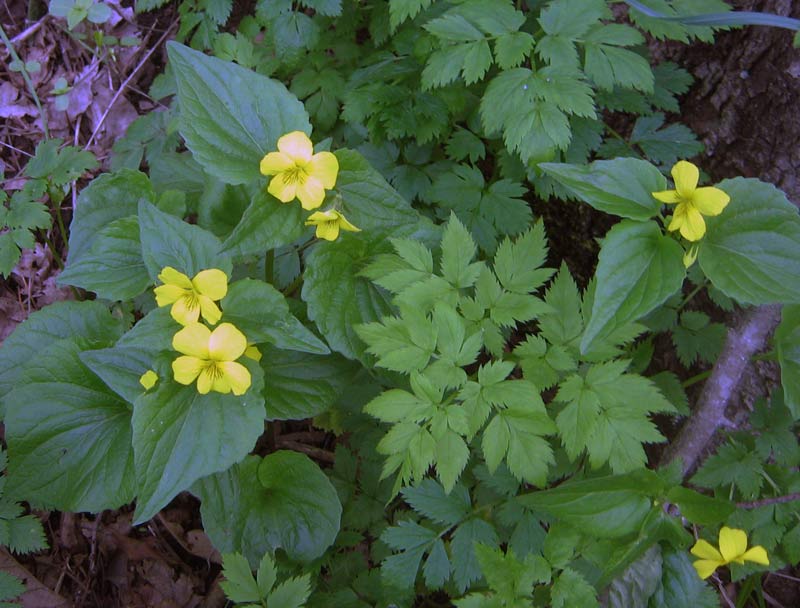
(743,106)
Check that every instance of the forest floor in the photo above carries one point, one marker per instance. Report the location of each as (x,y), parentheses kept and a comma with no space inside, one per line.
(743,105)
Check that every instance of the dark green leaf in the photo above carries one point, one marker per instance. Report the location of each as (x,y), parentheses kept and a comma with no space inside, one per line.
(230,116)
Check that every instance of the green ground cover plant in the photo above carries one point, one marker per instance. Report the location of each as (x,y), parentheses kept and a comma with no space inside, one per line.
(331,219)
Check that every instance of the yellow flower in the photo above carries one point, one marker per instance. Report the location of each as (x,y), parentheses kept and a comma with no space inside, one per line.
(690,255)
(192,297)
(329,223)
(693,202)
(732,548)
(299,173)
(148,379)
(253,353)
(210,357)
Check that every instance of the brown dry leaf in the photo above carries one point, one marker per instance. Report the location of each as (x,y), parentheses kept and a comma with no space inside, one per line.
(10,104)
(37,595)
(200,545)
(119,117)
(11,313)
(165,592)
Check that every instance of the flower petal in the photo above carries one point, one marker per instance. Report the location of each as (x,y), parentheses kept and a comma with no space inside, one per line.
(170,276)
(274,163)
(193,340)
(237,375)
(325,167)
(186,369)
(212,283)
(252,352)
(667,196)
(327,230)
(710,201)
(206,380)
(685,175)
(311,193)
(690,256)
(732,543)
(297,146)
(678,218)
(209,310)
(167,294)
(757,554)
(285,190)
(705,550)
(705,567)
(226,343)
(345,225)
(186,309)
(148,379)
(694,226)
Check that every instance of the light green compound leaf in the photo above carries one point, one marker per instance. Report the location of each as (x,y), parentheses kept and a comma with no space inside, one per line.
(609,65)
(572,589)
(300,385)
(261,312)
(452,455)
(608,507)
(458,251)
(87,321)
(572,18)
(467,536)
(331,276)
(10,587)
(430,499)
(787,344)
(112,196)
(517,262)
(291,593)
(230,116)
(622,186)
(259,505)
(266,224)
(180,436)
(69,436)
(239,584)
(638,269)
(511,49)
(266,575)
(751,251)
(400,10)
(169,241)
(113,267)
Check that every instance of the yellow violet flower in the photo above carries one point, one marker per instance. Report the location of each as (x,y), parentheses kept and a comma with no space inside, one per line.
(210,357)
(148,379)
(732,548)
(252,352)
(329,223)
(191,298)
(690,255)
(299,173)
(693,202)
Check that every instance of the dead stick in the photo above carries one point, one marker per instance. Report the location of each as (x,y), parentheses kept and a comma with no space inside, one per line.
(742,343)
(125,84)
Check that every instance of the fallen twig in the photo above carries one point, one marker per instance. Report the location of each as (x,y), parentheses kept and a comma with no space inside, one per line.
(742,342)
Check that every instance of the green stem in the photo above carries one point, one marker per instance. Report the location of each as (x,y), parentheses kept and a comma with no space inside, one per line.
(62,227)
(26,77)
(623,140)
(269,266)
(56,257)
(691,295)
(695,379)
(292,287)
